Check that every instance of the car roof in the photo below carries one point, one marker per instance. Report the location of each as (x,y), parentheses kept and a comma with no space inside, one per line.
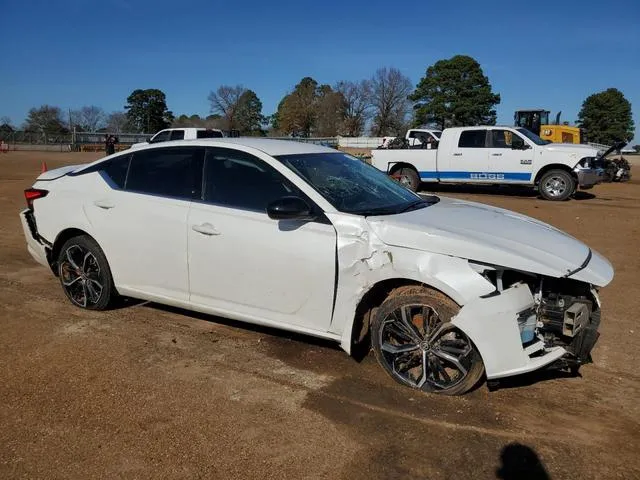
(270,146)
(191,128)
(478,127)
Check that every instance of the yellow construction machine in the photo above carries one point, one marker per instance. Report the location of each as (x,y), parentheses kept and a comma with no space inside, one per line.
(537,121)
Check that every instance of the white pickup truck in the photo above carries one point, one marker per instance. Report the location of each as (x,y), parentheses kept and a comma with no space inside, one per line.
(495,155)
(417,138)
(188,133)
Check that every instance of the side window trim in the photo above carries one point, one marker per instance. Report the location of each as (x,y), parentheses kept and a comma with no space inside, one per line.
(178,133)
(159,134)
(100,169)
(485,144)
(514,135)
(193,196)
(492,138)
(210,152)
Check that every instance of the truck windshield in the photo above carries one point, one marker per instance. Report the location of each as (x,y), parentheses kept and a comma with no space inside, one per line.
(532,136)
(353,186)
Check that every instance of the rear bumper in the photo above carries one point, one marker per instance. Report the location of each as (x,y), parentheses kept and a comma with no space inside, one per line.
(588,177)
(35,245)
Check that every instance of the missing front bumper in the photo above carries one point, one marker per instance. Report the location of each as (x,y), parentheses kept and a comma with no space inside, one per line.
(491,323)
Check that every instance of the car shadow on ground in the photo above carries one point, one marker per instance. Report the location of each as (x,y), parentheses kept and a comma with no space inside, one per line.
(359,351)
(502,190)
(249,327)
(527,379)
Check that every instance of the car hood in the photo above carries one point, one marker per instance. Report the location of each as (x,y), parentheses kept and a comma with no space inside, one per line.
(495,236)
(583,150)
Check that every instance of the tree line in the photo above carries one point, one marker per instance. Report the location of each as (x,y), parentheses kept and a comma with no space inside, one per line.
(453,92)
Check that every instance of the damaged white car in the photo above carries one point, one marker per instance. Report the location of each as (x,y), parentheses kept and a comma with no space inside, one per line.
(309,239)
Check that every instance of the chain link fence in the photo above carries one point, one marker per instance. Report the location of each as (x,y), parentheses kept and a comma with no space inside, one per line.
(94,141)
(77,141)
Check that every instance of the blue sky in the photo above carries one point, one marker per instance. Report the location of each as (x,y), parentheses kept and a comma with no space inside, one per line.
(72,53)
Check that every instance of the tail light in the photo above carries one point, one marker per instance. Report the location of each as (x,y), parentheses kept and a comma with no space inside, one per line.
(31,194)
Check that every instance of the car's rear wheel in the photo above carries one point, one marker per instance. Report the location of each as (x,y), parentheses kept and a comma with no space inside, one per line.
(84,274)
(416,344)
(408,177)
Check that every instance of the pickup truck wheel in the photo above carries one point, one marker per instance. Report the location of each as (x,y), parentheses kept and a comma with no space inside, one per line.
(408,177)
(416,344)
(84,274)
(557,185)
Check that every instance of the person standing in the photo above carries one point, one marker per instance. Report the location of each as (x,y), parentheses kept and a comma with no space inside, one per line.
(110,144)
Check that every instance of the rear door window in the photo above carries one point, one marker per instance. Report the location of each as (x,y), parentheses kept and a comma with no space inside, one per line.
(177,135)
(472,139)
(170,172)
(208,134)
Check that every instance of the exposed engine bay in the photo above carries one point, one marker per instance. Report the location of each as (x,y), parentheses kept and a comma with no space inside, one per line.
(566,314)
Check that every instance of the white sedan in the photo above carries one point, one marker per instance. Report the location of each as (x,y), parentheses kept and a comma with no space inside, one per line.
(309,239)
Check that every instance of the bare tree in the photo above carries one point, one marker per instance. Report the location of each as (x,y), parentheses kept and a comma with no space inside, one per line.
(357,105)
(390,91)
(75,118)
(225,102)
(117,122)
(89,118)
(93,118)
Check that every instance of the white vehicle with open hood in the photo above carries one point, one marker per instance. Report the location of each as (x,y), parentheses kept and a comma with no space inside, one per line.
(309,239)
(494,155)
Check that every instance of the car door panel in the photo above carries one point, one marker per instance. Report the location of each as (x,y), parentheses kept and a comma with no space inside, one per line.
(144,239)
(243,261)
(506,164)
(468,159)
(139,216)
(284,269)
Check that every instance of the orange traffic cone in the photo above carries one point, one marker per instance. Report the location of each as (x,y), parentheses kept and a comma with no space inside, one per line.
(43,167)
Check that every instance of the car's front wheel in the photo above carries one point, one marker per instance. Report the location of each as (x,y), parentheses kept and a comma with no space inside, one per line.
(84,274)
(557,185)
(416,344)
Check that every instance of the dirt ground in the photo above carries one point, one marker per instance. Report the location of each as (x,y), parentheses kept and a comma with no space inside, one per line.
(150,392)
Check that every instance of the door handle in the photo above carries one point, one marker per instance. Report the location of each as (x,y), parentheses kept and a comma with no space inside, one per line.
(457,154)
(205,229)
(496,154)
(104,204)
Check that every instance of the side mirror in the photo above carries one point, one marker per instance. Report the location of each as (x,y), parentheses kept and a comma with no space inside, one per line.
(290,208)
(520,146)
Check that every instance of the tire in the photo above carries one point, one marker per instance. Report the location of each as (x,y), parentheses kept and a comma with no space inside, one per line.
(413,351)
(85,275)
(557,185)
(409,178)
